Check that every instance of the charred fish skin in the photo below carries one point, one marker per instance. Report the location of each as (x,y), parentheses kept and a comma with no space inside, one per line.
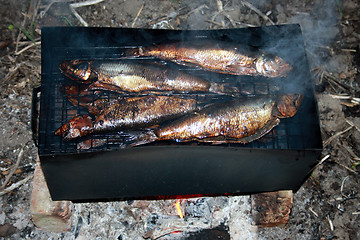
(136,77)
(237,119)
(133,76)
(78,126)
(125,113)
(244,120)
(142,112)
(219,57)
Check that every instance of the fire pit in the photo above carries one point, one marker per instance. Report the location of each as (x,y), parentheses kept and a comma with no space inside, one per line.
(281,159)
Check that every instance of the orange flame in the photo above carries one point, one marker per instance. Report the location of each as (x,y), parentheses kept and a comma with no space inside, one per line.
(179,209)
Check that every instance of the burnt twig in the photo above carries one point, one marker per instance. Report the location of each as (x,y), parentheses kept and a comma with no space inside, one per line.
(28,47)
(349,50)
(82,4)
(85,3)
(353,100)
(230,19)
(15,185)
(19,35)
(12,73)
(81,20)
(342,186)
(352,124)
(355,158)
(330,223)
(323,159)
(137,16)
(337,135)
(313,212)
(16,165)
(220,9)
(257,11)
(244,24)
(213,22)
(335,81)
(346,167)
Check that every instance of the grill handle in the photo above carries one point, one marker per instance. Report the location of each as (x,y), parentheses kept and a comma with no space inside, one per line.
(35,109)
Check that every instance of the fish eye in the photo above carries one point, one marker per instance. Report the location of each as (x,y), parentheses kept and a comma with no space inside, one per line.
(81,66)
(268,57)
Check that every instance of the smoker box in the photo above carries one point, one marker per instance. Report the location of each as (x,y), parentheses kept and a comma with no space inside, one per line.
(280,160)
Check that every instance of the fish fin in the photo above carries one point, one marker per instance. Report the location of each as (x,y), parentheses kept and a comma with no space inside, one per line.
(104,86)
(191,65)
(240,70)
(261,132)
(122,139)
(214,140)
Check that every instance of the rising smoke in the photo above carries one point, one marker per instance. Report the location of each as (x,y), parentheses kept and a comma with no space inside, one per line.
(319,27)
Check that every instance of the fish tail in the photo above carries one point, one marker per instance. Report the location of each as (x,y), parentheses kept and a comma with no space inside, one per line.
(223,88)
(125,139)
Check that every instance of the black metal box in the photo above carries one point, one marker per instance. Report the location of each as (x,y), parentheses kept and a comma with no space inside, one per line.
(280,160)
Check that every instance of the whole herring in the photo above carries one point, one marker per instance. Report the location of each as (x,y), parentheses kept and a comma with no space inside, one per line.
(125,113)
(239,121)
(219,57)
(135,76)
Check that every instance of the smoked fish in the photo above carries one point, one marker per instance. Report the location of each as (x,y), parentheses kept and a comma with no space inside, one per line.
(218,56)
(135,76)
(125,113)
(239,121)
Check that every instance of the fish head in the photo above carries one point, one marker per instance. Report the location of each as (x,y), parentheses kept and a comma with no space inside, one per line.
(272,66)
(288,105)
(76,70)
(78,126)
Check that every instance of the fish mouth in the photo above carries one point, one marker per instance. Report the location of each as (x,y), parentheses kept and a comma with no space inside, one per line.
(76,70)
(78,126)
(273,66)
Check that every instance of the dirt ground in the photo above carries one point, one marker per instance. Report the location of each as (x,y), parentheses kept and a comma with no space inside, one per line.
(326,206)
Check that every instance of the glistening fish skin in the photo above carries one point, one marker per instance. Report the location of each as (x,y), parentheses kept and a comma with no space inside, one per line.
(239,121)
(133,76)
(219,57)
(125,113)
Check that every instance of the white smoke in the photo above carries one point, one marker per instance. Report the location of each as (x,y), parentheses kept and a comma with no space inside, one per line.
(319,27)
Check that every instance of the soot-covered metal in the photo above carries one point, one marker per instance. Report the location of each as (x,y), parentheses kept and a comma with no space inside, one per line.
(282,159)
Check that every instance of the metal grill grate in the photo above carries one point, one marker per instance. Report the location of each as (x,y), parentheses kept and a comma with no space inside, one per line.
(280,160)
(299,132)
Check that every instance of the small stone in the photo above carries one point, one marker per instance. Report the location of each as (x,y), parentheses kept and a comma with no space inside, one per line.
(347,30)
(342,75)
(271,209)
(7,230)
